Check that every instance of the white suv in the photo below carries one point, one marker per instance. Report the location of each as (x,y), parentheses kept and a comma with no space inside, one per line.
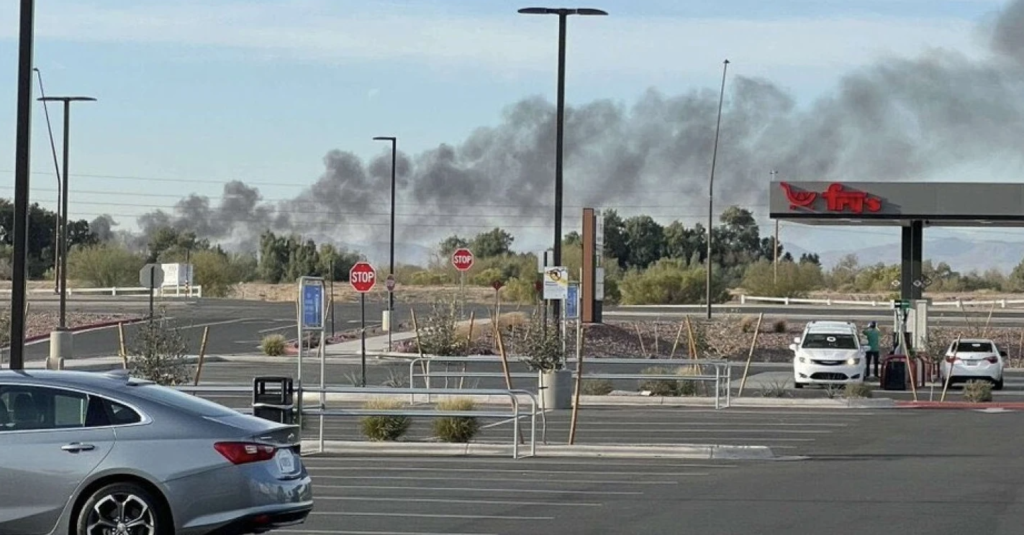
(828,352)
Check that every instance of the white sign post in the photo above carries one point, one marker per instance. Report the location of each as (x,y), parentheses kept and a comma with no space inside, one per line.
(556,283)
(312,312)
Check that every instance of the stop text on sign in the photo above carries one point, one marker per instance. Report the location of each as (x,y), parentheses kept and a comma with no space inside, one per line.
(463,259)
(363,276)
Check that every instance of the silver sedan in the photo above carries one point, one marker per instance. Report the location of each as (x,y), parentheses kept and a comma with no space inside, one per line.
(103,454)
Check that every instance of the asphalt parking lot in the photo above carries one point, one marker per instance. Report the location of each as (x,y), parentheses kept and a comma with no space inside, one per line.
(895,471)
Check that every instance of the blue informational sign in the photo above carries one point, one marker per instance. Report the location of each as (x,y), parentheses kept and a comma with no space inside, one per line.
(312,306)
(572,301)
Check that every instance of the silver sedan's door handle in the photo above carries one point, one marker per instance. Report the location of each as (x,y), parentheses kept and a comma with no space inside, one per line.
(76,447)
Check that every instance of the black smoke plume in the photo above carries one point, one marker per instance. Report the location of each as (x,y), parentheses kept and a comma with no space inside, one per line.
(898,119)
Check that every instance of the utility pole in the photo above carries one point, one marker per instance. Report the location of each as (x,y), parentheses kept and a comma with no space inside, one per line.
(775,244)
(711,190)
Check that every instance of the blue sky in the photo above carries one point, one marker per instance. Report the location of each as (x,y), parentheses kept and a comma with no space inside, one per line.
(193,93)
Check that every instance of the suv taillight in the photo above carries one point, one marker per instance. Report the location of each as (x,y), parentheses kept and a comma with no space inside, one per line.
(993,360)
(950,359)
(245,452)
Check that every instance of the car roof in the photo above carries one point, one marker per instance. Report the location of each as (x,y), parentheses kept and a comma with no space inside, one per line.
(104,382)
(975,341)
(831,327)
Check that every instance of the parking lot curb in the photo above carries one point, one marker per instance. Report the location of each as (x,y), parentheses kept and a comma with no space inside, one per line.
(958,405)
(671,451)
(619,401)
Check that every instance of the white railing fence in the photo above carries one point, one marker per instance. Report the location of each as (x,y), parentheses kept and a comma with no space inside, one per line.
(166,291)
(956,303)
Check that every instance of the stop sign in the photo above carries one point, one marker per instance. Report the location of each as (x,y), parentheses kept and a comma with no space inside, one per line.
(362,277)
(462,259)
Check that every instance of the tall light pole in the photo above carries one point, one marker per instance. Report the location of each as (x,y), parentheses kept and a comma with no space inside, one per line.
(56,168)
(61,339)
(711,188)
(22,174)
(775,243)
(391,268)
(563,14)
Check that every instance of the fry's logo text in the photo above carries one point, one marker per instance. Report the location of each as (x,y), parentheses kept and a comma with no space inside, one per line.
(837,199)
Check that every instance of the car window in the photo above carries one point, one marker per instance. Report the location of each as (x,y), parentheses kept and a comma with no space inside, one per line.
(180,400)
(829,341)
(972,347)
(31,407)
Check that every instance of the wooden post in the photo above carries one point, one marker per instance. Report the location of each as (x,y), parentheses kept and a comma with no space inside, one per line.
(579,386)
(679,333)
(750,355)
(202,354)
(121,344)
(640,337)
(419,348)
(504,367)
(469,346)
(949,376)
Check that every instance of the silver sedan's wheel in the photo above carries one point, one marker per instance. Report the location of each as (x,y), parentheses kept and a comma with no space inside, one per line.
(121,509)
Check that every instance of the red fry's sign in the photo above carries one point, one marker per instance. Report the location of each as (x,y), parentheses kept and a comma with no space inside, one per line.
(837,199)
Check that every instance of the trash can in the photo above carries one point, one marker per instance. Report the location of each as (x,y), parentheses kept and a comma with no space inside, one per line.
(273,398)
(894,373)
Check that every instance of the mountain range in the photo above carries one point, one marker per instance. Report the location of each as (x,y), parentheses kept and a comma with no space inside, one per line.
(961,254)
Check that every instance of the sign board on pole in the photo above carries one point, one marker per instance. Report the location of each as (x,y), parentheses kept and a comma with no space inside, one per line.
(312,295)
(362,277)
(599,284)
(462,259)
(572,301)
(390,283)
(151,276)
(556,283)
(598,236)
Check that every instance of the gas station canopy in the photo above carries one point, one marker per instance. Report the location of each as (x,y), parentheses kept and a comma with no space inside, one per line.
(910,205)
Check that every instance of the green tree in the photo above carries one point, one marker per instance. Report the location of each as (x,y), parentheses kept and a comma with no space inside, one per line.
(451,243)
(645,240)
(794,279)
(494,242)
(215,272)
(615,245)
(105,266)
(683,243)
(273,258)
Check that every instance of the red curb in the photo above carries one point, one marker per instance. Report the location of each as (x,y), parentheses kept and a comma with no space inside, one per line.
(87,327)
(959,405)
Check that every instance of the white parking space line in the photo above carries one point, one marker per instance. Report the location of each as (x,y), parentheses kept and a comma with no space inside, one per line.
(340,532)
(616,439)
(433,515)
(498,471)
(690,423)
(656,463)
(281,328)
(412,499)
(508,479)
(483,489)
(586,428)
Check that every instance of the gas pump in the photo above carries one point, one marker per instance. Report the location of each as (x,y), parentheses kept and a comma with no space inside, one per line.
(900,367)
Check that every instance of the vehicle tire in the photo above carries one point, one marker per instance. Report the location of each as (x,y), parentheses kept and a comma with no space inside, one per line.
(123,504)
(998,385)
(797,384)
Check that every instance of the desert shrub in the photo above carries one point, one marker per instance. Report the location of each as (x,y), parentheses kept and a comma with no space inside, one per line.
(978,391)
(158,352)
(273,345)
(774,389)
(669,282)
(384,427)
(780,326)
(216,272)
(596,387)
(688,388)
(396,379)
(659,387)
(456,428)
(104,266)
(748,323)
(858,390)
(487,277)
(439,331)
(517,290)
(539,348)
(429,278)
(794,280)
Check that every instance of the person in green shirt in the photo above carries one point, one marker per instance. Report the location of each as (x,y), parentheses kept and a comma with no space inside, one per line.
(874,337)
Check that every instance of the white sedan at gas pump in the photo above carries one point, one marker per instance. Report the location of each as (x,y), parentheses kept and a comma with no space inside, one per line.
(974,359)
(828,352)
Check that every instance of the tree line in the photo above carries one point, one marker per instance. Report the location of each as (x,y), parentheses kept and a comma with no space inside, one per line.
(644,261)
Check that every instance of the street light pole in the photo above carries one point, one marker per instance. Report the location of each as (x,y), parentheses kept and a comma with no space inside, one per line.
(563,14)
(391,265)
(22,175)
(56,167)
(711,190)
(61,340)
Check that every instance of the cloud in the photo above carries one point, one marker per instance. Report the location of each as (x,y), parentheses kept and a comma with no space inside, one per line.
(337,32)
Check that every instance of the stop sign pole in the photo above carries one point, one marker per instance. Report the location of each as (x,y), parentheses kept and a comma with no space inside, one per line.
(362,277)
(462,260)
